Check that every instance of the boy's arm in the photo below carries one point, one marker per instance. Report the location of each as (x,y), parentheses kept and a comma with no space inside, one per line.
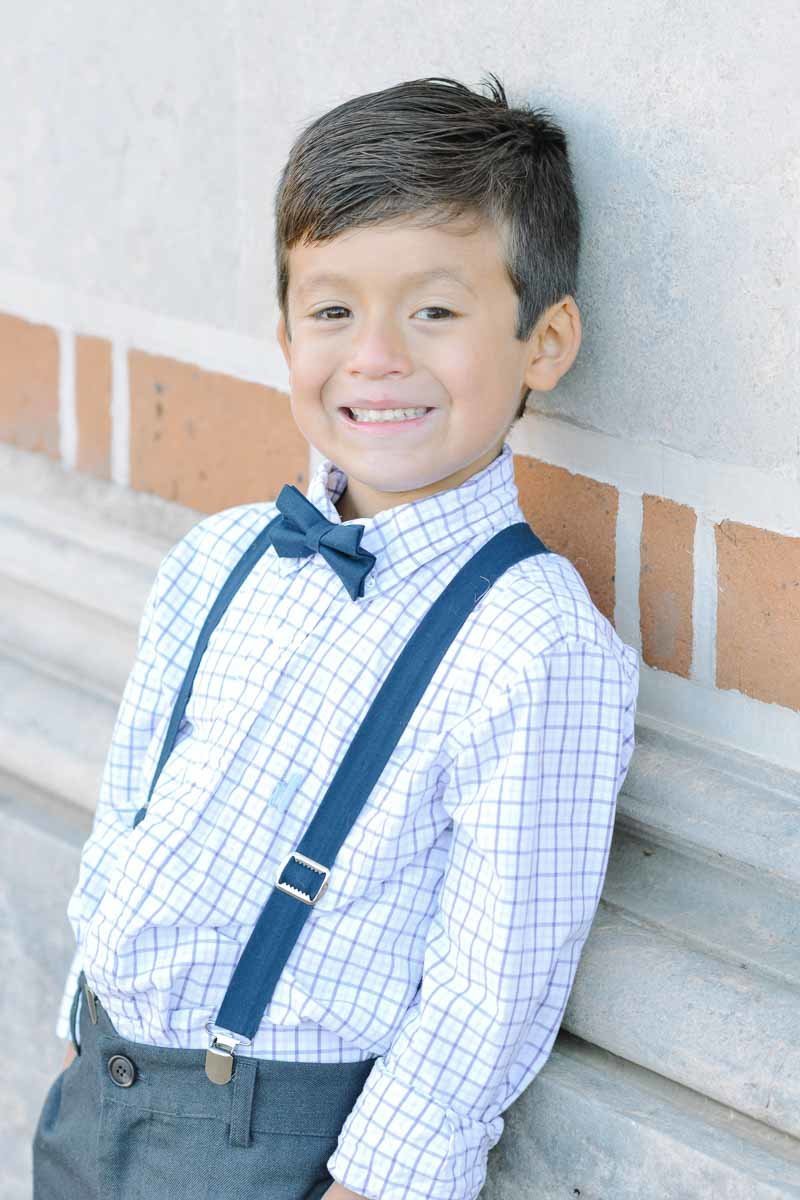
(144,701)
(337,1192)
(532,794)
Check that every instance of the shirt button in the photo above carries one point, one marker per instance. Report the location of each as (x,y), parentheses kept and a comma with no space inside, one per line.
(370,583)
(121,1070)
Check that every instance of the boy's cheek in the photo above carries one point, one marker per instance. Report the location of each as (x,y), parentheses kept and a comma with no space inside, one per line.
(309,408)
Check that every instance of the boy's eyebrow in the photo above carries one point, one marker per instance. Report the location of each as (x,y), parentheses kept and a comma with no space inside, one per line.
(443,274)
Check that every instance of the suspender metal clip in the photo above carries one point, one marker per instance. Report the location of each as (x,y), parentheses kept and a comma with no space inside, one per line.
(90,998)
(219,1055)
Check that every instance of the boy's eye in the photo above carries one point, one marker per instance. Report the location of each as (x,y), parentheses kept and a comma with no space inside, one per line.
(437,309)
(342,308)
(331,308)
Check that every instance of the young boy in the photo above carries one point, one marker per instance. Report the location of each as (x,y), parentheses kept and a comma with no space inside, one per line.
(427,247)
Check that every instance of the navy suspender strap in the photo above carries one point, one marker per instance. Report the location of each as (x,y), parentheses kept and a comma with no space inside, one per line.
(231,586)
(303,874)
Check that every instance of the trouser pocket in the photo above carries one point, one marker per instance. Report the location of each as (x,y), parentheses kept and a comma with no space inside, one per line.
(143,1151)
(64,1142)
(73,1020)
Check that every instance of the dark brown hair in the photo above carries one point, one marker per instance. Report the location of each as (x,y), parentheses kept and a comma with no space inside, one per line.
(433,151)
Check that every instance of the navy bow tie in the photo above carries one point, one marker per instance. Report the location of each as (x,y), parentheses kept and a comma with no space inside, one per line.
(302,529)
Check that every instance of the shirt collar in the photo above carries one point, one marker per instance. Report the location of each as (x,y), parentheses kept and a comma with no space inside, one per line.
(409,535)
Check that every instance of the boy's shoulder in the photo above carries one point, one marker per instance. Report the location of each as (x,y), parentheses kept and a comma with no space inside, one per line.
(212,547)
(541,603)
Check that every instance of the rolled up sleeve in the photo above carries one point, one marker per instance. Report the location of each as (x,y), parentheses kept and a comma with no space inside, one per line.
(531,790)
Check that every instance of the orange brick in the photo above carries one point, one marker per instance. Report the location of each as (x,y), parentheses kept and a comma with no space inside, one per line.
(93,405)
(758,613)
(575,516)
(208,440)
(666,584)
(29,385)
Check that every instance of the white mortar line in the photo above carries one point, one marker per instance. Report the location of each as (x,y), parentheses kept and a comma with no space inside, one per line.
(67,414)
(627,620)
(704,614)
(120,415)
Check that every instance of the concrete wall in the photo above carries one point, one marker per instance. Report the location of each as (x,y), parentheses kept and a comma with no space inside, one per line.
(140,150)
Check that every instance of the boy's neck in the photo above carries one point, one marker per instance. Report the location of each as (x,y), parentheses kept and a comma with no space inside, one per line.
(350,508)
(367,503)
(343,506)
(356,507)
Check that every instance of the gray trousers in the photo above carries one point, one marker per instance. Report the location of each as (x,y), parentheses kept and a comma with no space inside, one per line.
(129,1121)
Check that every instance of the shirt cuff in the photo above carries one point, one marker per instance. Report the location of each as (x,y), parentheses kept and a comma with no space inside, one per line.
(399,1144)
(70,987)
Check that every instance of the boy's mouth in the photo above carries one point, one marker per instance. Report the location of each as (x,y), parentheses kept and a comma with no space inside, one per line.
(376,421)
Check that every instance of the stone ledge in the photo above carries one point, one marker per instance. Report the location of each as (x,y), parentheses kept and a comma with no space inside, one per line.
(53,734)
(594,1126)
(717,1027)
(49,488)
(722,804)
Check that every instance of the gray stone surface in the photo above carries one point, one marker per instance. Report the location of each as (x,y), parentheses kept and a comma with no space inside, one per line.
(39,854)
(596,1127)
(37,490)
(53,732)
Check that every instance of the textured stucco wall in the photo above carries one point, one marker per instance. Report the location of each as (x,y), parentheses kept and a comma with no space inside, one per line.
(140,145)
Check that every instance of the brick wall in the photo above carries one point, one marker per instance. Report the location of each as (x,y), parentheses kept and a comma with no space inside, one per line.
(209,440)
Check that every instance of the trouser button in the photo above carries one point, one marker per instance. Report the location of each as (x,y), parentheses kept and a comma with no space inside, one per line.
(121,1070)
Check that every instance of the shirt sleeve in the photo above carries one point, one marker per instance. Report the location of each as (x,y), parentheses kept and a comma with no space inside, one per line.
(532,792)
(144,701)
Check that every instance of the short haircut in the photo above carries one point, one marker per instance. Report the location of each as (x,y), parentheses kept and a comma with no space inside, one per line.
(433,151)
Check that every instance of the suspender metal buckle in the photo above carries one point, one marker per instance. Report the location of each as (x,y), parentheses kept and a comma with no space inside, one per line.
(298,893)
(219,1055)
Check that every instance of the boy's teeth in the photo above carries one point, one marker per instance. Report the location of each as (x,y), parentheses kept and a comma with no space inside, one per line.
(387,414)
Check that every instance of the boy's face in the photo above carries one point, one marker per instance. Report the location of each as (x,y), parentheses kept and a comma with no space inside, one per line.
(375,333)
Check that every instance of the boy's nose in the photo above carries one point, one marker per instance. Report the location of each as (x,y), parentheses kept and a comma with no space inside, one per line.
(379,348)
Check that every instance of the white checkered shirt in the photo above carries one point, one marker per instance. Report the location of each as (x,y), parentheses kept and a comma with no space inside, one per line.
(448,938)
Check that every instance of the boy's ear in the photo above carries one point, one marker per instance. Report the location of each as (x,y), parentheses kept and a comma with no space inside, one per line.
(554,345)
(283,339)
